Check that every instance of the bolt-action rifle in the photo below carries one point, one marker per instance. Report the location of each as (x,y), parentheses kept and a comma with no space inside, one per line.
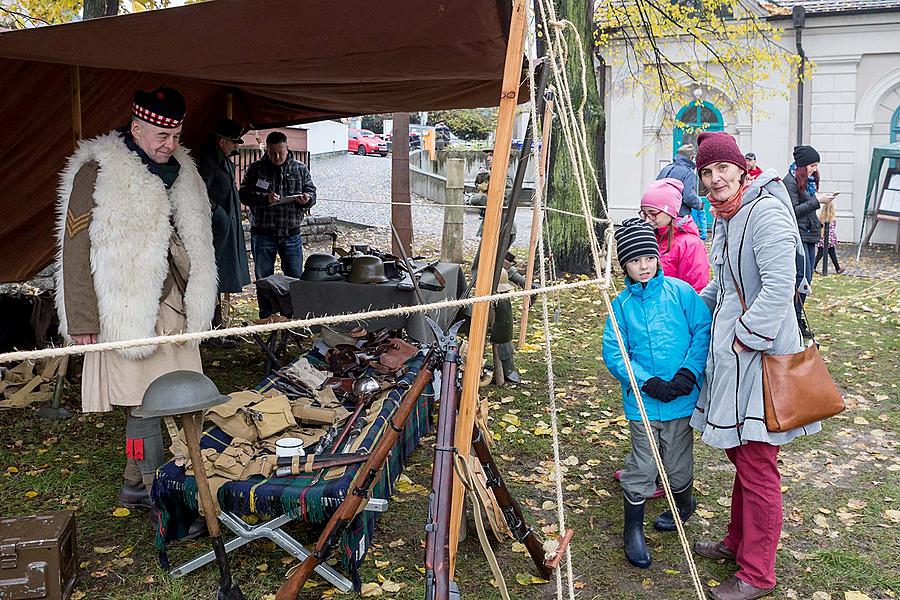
(437,527)
(512,512)
(359,491)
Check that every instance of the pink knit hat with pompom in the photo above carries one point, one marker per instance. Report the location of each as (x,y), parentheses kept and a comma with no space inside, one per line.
(665,195)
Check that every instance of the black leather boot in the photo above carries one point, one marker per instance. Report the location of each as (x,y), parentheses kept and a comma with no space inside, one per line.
(636,550)
(686,504)
(134,495)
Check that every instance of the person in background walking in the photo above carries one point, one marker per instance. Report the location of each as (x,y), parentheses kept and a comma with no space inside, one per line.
(682,253)
(753,170)
(754,246)
(826,215)
(682,169)
(802,183)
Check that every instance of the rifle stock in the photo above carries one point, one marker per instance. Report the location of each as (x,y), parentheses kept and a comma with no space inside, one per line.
(359,489)
(512,512)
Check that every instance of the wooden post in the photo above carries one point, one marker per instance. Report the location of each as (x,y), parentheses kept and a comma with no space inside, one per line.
(229,105)
(536,215)
(465,422)
(452,238)
(76,104)
(401,211)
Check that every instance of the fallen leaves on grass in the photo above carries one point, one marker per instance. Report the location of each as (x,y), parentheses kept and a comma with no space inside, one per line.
(121,512)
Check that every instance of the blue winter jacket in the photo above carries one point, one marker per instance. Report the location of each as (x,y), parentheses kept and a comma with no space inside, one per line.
(683,169)
(665,326)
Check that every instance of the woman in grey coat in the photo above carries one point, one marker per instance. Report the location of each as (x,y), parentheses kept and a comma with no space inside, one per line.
(754,249)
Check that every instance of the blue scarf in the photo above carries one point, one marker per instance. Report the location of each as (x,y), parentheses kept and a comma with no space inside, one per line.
(810,182)
(167,172)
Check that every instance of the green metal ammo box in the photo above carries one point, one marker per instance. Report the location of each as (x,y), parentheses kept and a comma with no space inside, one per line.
(38,556)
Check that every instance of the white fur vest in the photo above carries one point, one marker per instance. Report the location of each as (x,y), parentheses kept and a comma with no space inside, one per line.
(130,232)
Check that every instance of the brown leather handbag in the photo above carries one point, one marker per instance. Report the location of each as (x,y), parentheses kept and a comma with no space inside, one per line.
(797,388)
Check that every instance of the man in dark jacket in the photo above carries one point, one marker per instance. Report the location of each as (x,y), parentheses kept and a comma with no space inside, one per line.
(802,183)
(279,191)
(217,170)
(684,170)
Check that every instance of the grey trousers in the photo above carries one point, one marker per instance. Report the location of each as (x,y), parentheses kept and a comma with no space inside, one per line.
(675,440)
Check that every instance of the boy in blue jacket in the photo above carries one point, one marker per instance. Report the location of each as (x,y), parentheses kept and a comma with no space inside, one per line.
(665,327)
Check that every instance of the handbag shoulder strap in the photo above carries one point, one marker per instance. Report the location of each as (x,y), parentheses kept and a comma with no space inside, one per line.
(737,288)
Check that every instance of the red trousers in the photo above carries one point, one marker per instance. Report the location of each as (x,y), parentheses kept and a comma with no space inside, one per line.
(756,516)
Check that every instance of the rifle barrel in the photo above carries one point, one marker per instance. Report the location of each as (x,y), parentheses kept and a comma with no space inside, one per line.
(359,493)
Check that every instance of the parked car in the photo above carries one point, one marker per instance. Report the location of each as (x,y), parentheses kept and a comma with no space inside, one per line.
(415,141)
(365,141)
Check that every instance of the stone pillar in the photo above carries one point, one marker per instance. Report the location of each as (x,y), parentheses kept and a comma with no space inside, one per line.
(452,239)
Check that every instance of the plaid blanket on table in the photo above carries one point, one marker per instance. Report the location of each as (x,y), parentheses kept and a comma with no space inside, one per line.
(175,494)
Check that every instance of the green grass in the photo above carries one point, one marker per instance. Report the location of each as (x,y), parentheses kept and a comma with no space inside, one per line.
(77,463)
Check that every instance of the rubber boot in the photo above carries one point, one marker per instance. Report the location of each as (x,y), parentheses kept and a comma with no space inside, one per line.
(686,504)
(636,550)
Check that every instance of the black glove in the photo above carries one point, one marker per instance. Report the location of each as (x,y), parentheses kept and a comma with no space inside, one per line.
(683,382)
(658,388)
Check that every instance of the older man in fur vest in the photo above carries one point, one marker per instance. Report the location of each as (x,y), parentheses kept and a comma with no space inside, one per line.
(135,260)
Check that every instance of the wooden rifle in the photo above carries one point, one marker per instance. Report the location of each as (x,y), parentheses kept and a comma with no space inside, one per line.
(359,491)
(512,512)
(437,527)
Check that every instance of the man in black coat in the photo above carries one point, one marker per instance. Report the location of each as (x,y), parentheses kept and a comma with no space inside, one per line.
(218,174)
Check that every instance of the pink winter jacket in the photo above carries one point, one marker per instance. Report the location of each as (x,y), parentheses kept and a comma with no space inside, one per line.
(687,258)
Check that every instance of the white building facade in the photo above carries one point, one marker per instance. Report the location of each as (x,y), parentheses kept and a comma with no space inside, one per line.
(851,104)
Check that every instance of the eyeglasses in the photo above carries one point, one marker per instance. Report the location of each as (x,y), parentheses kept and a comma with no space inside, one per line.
(649,215)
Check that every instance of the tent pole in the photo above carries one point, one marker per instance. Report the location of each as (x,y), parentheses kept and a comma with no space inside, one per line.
(465,422)
(401,211)
(229,105)
(76,104)
(536,209)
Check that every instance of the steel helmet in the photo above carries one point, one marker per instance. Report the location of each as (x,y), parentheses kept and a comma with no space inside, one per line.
(177,393)
(322,267)
(367,269)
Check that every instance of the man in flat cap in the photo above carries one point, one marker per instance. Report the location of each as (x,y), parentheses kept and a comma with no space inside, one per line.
(217,170)
(135,261)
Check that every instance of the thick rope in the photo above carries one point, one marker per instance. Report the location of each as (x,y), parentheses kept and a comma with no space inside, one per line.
(574,134)
(294,324)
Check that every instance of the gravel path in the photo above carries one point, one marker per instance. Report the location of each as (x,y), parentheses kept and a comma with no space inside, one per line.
(340,179)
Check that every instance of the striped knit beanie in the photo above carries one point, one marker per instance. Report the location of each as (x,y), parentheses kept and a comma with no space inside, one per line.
(635,238)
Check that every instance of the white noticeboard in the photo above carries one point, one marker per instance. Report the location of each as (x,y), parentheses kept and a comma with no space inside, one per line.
(890,198)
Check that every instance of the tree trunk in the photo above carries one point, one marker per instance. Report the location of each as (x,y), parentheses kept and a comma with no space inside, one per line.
(100,8)
(567,236)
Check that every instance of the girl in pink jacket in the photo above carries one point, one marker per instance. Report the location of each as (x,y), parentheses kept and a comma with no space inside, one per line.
(681,251)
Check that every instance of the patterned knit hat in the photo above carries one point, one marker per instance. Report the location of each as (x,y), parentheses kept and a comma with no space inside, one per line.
(634,239)
(718,146)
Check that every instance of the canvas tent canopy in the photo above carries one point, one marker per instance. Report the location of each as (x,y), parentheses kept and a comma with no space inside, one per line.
(281,61)
(879,155)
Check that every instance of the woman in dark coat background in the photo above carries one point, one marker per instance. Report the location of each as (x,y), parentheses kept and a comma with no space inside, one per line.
(802,183)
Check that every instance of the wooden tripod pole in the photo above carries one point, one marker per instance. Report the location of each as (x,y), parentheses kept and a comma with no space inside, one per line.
(465,422)
(536,214)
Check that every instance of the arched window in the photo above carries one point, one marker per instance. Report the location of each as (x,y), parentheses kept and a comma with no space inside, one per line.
(694,118)
(895,126)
